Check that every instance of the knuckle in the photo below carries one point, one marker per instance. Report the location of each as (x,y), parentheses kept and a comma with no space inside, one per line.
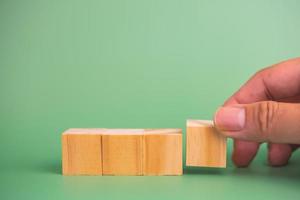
(262,73)
(266,115)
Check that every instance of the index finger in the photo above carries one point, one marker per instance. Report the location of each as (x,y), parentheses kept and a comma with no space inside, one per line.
(280,81)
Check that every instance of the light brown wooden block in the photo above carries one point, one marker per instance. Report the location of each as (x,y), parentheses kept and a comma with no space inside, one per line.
(82,152)
(205,147)
(122,154)
(163,154)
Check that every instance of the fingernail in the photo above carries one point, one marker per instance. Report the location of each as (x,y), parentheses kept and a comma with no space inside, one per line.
(230,118)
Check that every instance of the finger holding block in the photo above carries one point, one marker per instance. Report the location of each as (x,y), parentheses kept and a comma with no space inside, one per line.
(205,147)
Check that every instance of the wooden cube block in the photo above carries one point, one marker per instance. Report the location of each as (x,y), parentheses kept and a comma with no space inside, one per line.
(82,152)
(205,147)
(123,152)
(163,152)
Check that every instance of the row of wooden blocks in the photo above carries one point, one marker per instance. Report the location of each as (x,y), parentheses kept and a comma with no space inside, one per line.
(98,151)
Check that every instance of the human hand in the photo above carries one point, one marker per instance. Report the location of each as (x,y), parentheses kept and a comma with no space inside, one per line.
(264,109)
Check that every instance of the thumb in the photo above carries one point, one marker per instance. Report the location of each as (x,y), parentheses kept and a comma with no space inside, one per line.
(265,121)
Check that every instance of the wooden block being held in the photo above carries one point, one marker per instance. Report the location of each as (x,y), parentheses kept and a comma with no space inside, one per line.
(205,147)
(82,152)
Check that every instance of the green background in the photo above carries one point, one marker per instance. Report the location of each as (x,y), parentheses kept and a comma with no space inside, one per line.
(133,64)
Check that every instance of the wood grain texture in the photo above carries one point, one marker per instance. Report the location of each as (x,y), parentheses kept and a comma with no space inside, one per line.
(99,151)
(122,154)
(163,154)
(81,154)
(205,147)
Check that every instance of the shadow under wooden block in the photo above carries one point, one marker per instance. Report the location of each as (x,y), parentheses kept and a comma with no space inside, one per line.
(122,154)
(163,154)
(82,152)
(205,147)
